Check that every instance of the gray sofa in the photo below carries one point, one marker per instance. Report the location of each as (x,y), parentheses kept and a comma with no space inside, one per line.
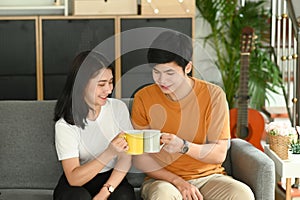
(29,169)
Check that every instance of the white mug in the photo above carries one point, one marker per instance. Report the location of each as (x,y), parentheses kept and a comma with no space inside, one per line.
(152,141)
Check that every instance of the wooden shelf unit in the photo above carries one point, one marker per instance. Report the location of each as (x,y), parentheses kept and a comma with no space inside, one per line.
(54,32)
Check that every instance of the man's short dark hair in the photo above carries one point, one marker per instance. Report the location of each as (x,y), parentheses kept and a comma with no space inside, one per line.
(171,46)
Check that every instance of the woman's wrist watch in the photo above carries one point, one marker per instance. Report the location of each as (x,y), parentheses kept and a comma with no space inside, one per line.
(185,147)
(109,187)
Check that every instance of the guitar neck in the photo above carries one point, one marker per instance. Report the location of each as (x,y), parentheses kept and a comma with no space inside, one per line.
(243,97)
(243,91)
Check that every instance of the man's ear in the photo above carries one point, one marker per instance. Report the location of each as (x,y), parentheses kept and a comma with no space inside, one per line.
(188,67)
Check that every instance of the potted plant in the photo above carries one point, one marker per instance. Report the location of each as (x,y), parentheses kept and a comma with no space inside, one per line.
(226,21)
(282,136)
(295,146)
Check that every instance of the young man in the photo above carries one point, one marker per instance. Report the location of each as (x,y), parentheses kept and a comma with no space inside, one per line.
(193,115)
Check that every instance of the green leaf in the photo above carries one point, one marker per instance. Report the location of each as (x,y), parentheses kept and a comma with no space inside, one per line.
(226,21)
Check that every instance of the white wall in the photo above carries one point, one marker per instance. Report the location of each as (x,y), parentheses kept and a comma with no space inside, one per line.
(204,56)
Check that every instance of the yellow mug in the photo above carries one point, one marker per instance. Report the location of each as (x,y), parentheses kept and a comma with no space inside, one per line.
(135,141)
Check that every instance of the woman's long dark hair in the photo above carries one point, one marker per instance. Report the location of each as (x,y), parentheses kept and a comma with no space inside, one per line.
(70,104)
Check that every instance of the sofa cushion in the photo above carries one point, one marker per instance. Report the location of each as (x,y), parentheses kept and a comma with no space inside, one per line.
(25,194)
(135,177)
(28,155)
(227,163)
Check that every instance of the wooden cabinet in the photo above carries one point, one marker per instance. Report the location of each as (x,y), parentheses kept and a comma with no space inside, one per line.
(18,55)
(134,68)
(61,40)
(36,52)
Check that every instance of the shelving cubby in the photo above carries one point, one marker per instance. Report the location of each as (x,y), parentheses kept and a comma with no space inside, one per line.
(37,50)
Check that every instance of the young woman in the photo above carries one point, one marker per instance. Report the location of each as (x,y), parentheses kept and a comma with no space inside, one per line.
(88,134)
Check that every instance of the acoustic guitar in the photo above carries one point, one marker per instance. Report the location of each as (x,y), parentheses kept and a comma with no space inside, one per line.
(246,123)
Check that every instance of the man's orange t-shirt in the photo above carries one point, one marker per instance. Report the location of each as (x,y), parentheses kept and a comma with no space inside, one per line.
(200,117)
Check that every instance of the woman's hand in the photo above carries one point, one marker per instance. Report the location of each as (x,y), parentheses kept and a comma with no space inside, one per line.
(118,144)
(102,195)
(173,144)
(187,190)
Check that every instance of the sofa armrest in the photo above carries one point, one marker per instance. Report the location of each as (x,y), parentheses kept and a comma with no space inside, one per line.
(254,168)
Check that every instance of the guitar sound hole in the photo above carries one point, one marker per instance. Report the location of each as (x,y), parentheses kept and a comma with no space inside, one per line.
(244,132)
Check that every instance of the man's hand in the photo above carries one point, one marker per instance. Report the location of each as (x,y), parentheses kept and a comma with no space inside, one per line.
(173,144)
(187,190)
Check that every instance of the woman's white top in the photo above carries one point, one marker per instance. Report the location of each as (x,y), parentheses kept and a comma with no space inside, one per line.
(86,144)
